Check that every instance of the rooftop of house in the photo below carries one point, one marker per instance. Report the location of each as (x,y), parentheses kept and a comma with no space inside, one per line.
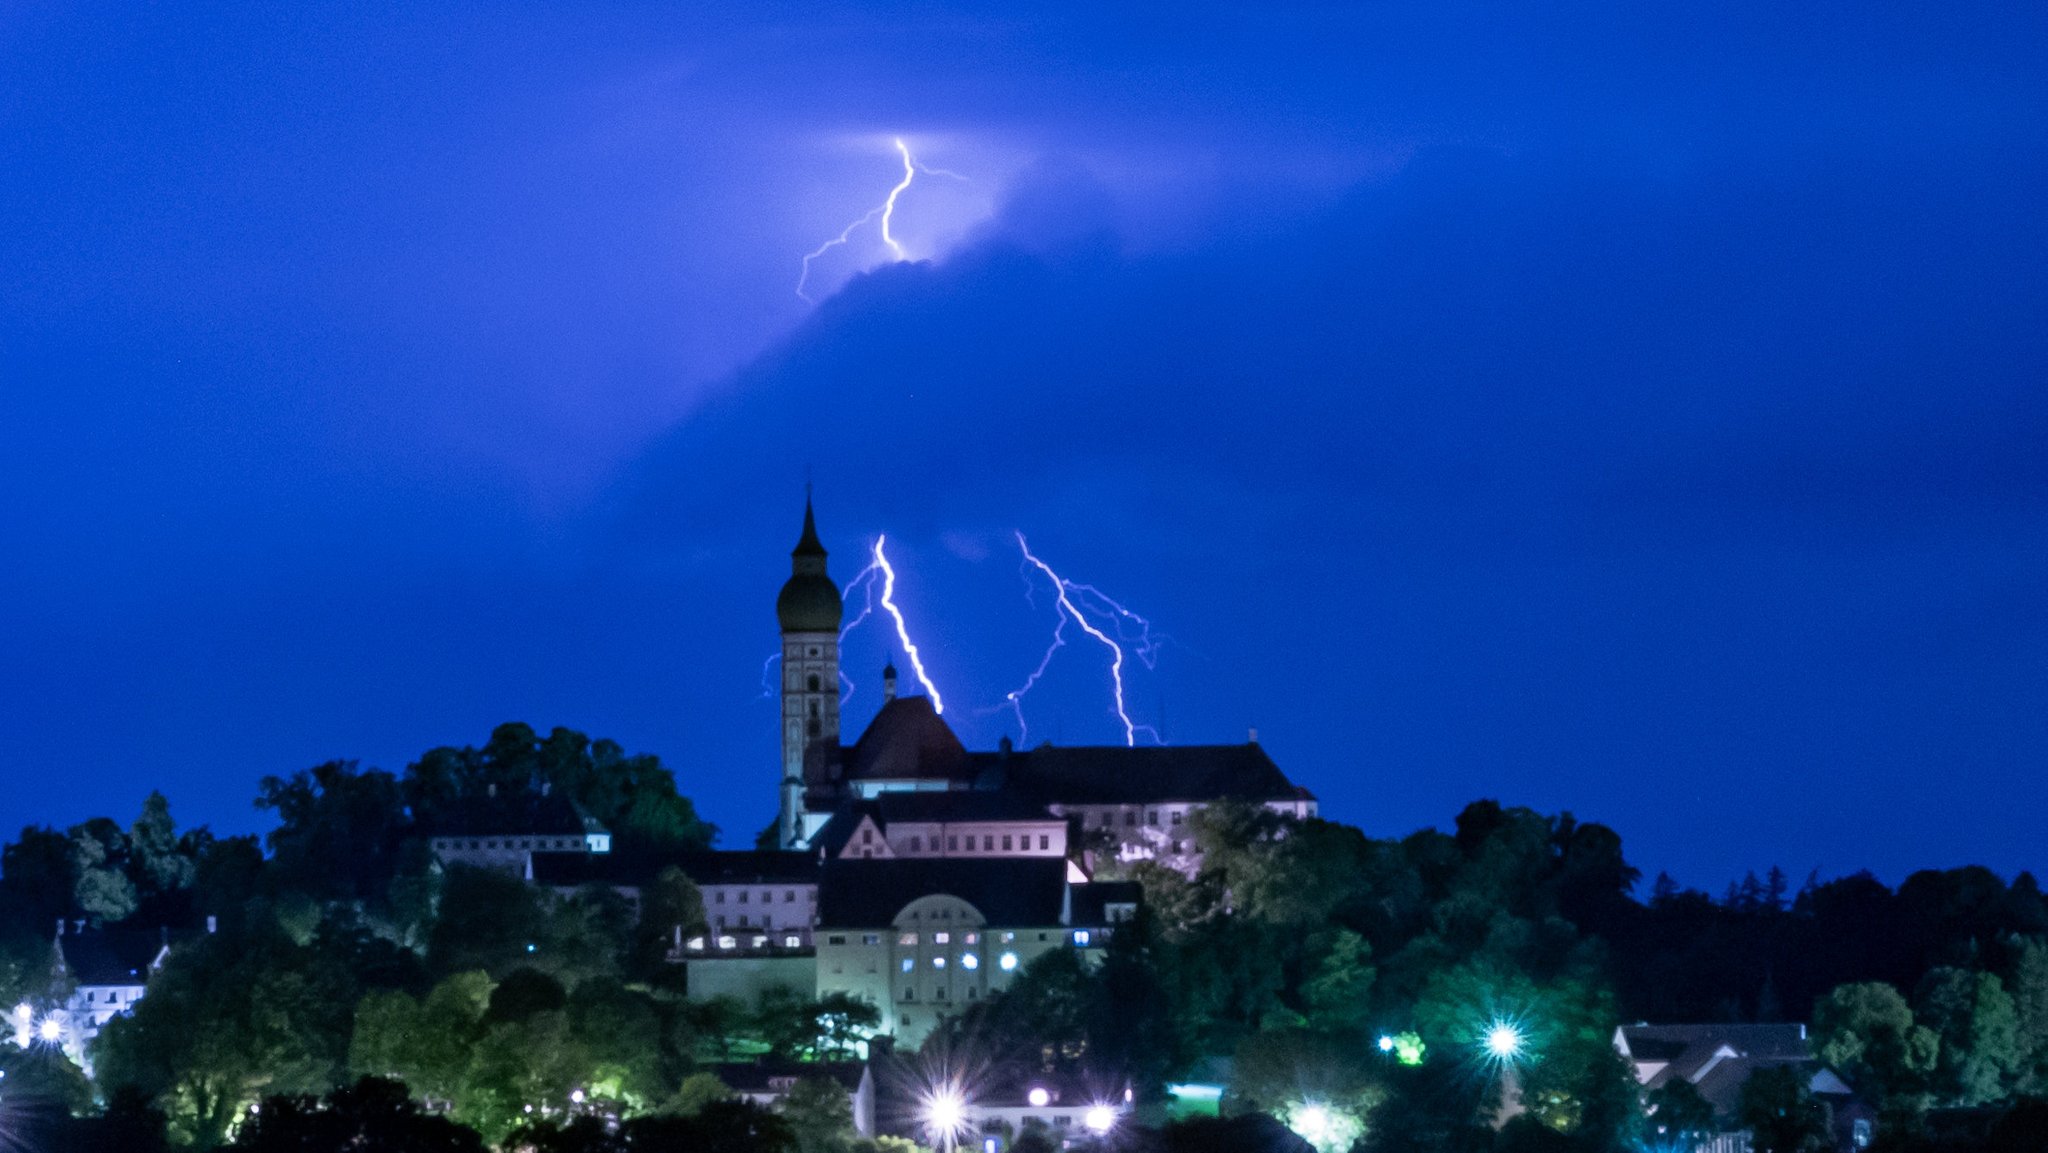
(540,814)
(111,956)
(1116,775)
(749,867)
(1716,1059)
(1092,900)
(1006,891)
(767,1076)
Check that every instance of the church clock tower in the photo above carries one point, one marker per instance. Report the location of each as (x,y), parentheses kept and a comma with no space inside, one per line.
(809,609)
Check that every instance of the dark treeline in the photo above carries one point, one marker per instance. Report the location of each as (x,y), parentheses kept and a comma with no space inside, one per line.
(350,980)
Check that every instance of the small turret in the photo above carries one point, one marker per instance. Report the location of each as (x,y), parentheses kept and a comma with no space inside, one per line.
(889,681)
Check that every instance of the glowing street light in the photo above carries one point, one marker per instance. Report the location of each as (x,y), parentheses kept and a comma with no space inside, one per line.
(1386,1043)
(945,1114)
(51,1030)
(1038,1097)
(1100,1118)
(1503,1041)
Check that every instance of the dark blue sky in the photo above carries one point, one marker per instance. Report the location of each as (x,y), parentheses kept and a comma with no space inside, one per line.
(1630,409)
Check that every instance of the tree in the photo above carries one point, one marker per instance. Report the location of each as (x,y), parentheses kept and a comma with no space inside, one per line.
(1781,1114)
(1866,1032)
(229,1019)
(725,1126)
(819,1115)
(371,1114)
(2029,987)
(339,831)
(1679,1114)
(160,862)
(103,890)
(1338,993)
(1979,1030)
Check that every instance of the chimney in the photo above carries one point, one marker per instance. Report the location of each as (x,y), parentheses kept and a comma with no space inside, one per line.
(1252,736)
(889,681)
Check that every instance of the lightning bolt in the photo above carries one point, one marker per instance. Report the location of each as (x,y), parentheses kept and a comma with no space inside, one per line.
(886,210)
(876,583)
(902,631)
(1072,597)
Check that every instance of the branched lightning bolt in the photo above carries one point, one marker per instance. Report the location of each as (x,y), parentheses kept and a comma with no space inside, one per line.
(886,210)
(878,572)
(902,630)
(1072,597)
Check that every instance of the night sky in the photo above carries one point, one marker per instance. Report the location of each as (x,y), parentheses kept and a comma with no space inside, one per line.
(1635,409)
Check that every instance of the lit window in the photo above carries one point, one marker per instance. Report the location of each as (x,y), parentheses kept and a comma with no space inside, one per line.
(1081,938)
(792,942)
(969,961)
(938,962)
(870,938)
(696,943)
(1007,962)
(909,963)
(728,943)
(1009,937)
(971,938)
(907,939)
(942,938)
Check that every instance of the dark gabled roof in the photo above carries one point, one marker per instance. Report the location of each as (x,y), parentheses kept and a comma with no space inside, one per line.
(110,956)
(747,867)
(574,870)
(1717,1059)
(1114,775)
(838,829)
(1090,900)
(958,805)
(1008,891)
(531,814)
(762,1076)
(907,739)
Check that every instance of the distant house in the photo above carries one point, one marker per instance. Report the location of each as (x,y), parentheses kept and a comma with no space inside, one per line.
(766,1083)
(1718,1059)
(504,833)
(110,971)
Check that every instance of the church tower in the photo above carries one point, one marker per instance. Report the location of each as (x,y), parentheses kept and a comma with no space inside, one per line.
(809,609)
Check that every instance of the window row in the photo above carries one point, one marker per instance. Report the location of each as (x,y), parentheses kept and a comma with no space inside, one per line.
(767,896)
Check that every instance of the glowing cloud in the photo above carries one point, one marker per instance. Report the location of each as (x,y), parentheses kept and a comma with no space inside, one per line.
(886,210)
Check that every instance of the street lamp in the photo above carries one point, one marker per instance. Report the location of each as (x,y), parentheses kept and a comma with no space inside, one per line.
(945,1114)
(1503,1041)
(1100,1118)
